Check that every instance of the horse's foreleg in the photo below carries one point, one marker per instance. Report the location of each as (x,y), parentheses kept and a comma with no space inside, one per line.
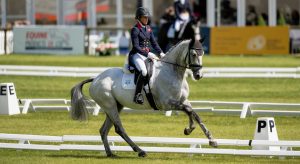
(204,129)
(187,108)
(182,107)
(189,130)
(103,133)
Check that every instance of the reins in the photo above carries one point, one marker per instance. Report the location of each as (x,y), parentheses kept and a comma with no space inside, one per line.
(189,66)
(175,64)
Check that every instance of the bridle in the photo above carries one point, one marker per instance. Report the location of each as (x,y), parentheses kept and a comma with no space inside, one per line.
(188,56)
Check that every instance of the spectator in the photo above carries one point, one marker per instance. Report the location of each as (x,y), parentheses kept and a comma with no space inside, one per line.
(280,18)
(287,14)
(263,19)
(196,8)
(228,14)
(183,13)
(295,17)
(251,16)
(168,16)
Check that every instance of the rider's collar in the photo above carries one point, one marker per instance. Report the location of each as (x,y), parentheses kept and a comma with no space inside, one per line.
(140,25)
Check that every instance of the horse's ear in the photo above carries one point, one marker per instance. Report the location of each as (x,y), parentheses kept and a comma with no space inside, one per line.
(192,42)
(202,40)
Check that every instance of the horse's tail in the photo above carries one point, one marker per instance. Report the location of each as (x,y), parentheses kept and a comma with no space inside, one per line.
(79,102)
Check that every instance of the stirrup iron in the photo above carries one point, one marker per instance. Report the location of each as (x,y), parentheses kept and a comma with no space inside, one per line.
(139,99)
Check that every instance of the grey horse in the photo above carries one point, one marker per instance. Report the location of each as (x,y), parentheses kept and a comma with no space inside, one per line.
(168,85)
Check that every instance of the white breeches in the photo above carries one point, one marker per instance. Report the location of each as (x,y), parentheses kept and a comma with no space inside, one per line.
(139,61)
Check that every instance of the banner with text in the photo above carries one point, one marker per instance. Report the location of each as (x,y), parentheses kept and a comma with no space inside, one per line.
(49,39)
(249,40)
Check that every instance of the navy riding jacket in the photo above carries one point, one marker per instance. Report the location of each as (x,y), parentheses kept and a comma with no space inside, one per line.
(141,38)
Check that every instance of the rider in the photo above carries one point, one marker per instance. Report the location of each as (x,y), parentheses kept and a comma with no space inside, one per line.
(141,37)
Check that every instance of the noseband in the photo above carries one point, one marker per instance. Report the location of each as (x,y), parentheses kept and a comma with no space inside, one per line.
(190,66)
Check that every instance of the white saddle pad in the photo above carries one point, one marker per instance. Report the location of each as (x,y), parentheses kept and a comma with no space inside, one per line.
(128,81)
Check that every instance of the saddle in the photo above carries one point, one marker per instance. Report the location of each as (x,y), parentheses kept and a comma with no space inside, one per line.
(133,70)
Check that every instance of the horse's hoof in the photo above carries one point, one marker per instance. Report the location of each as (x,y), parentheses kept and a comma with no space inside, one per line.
(213,143)
(112,156)
(142,154)
(187,131)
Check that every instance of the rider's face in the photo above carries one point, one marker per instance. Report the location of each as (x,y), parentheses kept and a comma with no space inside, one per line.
(144,20)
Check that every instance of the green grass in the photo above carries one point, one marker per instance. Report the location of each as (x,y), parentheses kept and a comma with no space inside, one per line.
(59,123)
(257,90)
(251,61)
(117,61)
(222,126)
(53,60)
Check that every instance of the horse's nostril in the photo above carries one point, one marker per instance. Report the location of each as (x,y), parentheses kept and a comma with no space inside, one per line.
(197,76)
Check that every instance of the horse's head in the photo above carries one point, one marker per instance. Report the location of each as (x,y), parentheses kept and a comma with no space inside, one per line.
(194,58)
(187,54)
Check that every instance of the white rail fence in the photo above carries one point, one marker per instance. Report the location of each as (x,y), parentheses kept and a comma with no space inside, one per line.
(230,72)
(188,145)
(243,109)
(9,42)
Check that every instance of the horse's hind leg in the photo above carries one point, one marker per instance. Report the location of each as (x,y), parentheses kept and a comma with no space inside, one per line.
(104,130)
(112,109)
(103,133)
(114,117)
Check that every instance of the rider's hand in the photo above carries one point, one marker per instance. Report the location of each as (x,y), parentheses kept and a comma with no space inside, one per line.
(152,56)
(162,55)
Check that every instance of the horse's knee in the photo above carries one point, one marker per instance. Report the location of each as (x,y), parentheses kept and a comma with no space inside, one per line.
(177,105)
(188,108)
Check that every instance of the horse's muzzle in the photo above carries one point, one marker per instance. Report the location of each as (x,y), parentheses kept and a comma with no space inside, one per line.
(198,75)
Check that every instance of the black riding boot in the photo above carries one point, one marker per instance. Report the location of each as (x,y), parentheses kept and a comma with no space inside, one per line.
(138,96)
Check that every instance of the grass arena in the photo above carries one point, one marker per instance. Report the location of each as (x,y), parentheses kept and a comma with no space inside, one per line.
(59,123)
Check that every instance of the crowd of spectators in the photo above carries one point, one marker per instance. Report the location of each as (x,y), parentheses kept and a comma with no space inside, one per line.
(285,16)
(228,14)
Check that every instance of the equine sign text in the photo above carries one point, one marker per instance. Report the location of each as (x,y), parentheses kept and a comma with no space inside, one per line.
(8,99)
(262,124)
(3,90)
(266,130)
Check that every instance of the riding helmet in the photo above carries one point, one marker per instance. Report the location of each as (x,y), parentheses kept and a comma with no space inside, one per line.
(141,11)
